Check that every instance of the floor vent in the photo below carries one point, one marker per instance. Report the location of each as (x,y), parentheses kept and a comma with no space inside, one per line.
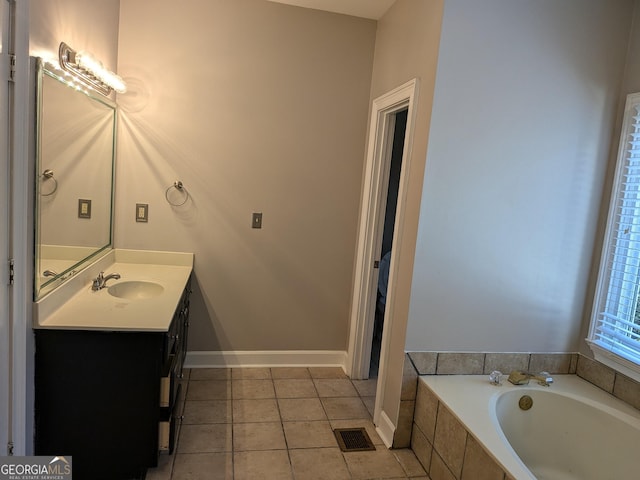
(353,439)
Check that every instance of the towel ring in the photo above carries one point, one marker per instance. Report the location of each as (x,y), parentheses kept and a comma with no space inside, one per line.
(46,175)
(181,188)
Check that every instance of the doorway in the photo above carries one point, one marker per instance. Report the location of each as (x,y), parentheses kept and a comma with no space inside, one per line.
(393,187)
(371,228)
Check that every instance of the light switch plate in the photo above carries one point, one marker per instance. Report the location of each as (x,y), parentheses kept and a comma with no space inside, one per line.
(142,212)
(84,208)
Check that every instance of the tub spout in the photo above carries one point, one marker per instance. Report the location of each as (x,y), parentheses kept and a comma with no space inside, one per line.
(518,377)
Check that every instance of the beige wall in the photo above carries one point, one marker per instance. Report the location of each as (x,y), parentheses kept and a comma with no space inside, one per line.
(407,47)
(632,71)
(84,26)
(256,107)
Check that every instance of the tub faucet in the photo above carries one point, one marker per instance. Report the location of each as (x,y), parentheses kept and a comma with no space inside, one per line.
(101,280)
(518,377)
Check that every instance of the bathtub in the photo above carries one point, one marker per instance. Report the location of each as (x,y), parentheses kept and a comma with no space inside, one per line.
(573,430)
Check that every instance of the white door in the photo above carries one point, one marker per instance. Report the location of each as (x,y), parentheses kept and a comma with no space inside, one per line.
(5,191)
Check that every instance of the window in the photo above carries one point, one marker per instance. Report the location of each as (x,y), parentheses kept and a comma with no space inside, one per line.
(614,335)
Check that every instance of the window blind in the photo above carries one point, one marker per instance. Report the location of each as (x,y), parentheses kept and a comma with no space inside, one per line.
(616,323)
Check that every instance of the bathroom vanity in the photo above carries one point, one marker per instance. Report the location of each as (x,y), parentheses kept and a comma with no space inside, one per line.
(108,367)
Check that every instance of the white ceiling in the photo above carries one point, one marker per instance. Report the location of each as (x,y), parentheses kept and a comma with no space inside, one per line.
(359,8)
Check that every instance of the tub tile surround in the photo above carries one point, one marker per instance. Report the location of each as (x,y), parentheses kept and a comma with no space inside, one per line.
(444,447)
(463,363)
(604,377)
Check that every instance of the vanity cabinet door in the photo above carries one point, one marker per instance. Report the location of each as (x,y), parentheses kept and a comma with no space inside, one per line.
(96,400)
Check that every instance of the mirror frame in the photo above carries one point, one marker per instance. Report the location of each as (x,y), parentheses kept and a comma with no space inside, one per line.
(42,288)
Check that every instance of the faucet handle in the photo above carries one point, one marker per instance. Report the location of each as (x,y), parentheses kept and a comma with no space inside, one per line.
(97,282)
(545,379)
(495,378)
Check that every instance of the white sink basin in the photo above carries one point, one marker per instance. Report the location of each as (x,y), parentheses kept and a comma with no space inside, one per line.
(135,290)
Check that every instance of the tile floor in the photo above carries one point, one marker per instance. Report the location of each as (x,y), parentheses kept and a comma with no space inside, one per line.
(276,423)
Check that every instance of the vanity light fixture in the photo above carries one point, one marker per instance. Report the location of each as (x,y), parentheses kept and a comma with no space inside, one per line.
(89,70)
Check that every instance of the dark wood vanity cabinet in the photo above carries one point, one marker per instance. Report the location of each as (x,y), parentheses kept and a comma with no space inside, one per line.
(110,399)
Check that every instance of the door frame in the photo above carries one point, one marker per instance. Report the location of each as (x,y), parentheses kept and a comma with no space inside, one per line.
(5,312)
(370,229)
(21,235)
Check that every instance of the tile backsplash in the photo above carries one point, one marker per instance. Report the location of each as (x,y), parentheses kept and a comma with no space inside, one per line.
(462,363)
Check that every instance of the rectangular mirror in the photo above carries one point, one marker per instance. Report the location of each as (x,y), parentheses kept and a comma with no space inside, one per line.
(75,161)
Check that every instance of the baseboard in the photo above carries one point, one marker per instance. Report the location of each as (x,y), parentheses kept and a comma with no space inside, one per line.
(268,358)
(385,429)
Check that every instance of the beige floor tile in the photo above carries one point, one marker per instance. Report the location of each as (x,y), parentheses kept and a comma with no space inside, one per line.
(207,411)
(297,410)
(214,437)
(365,423)
(344,408)
(295,388)
(252,389)
(268,465)
(335,387)
(370,403)
(309,434)
(290,372)
(301,409)
(366,388)
(380,463)
(210,374)
(258,436)
(409,462)
(209,390)
(259,373)
(255,410)
(327,372)
(319,464)
(203,466)
(163,470)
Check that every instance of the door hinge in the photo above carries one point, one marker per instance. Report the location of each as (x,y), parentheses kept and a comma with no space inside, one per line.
(12,68)
(376,264)
(12,271)
(10,449)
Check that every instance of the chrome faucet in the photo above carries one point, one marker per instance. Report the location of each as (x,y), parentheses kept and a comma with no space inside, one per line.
(101,280)
(518,377)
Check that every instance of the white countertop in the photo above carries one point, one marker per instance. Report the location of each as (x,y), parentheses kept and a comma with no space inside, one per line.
(75,306)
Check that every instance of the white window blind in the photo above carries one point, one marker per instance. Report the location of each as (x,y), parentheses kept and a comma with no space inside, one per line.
(615,326)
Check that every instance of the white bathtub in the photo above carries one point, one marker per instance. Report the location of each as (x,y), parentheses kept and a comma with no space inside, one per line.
(573,431)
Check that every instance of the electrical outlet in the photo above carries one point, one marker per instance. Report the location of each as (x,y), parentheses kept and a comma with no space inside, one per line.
(256,221)
(142,212)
